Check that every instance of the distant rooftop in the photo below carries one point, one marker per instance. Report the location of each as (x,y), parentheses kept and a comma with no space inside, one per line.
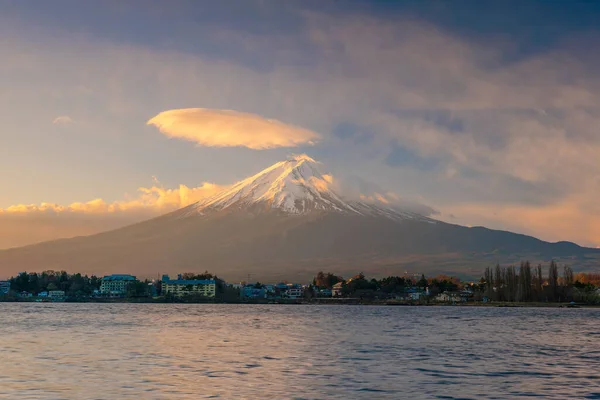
(167,280)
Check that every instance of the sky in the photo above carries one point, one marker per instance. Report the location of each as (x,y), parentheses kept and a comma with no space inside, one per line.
(485,112)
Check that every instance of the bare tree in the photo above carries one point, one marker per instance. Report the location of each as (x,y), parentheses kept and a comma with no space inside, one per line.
(553,280)
(526,281)
(539,282)
(568,276)
(489,283)
(511,283)
(498,283)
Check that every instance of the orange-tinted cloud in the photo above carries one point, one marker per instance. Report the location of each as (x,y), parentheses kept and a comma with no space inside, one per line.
(225,128)
(25,224)
(155,198)
(63,120)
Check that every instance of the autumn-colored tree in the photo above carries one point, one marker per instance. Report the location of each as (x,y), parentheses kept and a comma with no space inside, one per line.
(588,278)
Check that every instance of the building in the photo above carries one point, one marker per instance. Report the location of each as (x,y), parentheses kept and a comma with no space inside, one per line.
(416,294)
(181,287)
(336,291)
(56,294)
(4,287)
(294,292)
(116,285)
(253,291)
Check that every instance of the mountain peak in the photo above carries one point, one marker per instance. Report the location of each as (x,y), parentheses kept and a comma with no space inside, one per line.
(295,186)
(301,157)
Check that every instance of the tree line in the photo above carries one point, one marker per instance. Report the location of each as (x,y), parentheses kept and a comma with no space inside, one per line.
(74,285)
(388,285)
(532,284)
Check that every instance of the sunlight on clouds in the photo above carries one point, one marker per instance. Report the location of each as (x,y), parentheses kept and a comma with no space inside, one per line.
(377,198)
(155,199)
(63,120)
(521,129)
(25,224)
(225,128)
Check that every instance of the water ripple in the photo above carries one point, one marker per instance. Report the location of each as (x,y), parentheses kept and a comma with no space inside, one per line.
(153,351)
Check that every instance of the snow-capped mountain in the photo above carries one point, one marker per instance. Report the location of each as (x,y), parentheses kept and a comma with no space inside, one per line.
(287,222)
(295,186)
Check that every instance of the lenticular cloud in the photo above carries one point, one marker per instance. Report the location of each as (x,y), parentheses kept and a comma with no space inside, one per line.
(225,128)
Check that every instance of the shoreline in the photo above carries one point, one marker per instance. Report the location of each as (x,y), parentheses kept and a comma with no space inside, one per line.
(321,301)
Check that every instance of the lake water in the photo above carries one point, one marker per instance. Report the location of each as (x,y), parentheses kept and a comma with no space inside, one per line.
(156,351)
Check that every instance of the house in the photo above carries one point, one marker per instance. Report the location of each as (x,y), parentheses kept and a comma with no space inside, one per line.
(42,294)
(270,289)
(254,291)
(336,291)
(281,289)
(448,297)
(182,287)
(56,294)
(294,292)
(116,285)
(416,294)
(466,295)
(4,287)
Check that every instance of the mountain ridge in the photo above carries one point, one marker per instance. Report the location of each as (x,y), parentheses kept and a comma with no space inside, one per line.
(286,222)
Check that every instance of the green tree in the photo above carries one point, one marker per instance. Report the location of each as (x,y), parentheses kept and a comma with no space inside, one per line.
(138,289)
(422,283)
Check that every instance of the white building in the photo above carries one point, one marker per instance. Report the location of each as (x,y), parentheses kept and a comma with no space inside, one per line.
(181,287)
(116,285)
(294,292)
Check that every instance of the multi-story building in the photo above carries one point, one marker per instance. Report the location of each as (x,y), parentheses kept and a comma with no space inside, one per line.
(182,287)
(4,287)
(294,292)
(116,285)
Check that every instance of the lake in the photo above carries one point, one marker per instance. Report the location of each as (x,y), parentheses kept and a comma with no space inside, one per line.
(161,351)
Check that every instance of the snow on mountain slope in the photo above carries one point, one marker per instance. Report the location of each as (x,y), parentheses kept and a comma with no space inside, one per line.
(294,186)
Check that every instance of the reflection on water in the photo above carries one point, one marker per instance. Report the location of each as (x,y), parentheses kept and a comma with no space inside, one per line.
(124,351)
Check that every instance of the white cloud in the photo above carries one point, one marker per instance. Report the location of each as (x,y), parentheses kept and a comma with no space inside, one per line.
(388,76)
(225,128)
(63,120)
